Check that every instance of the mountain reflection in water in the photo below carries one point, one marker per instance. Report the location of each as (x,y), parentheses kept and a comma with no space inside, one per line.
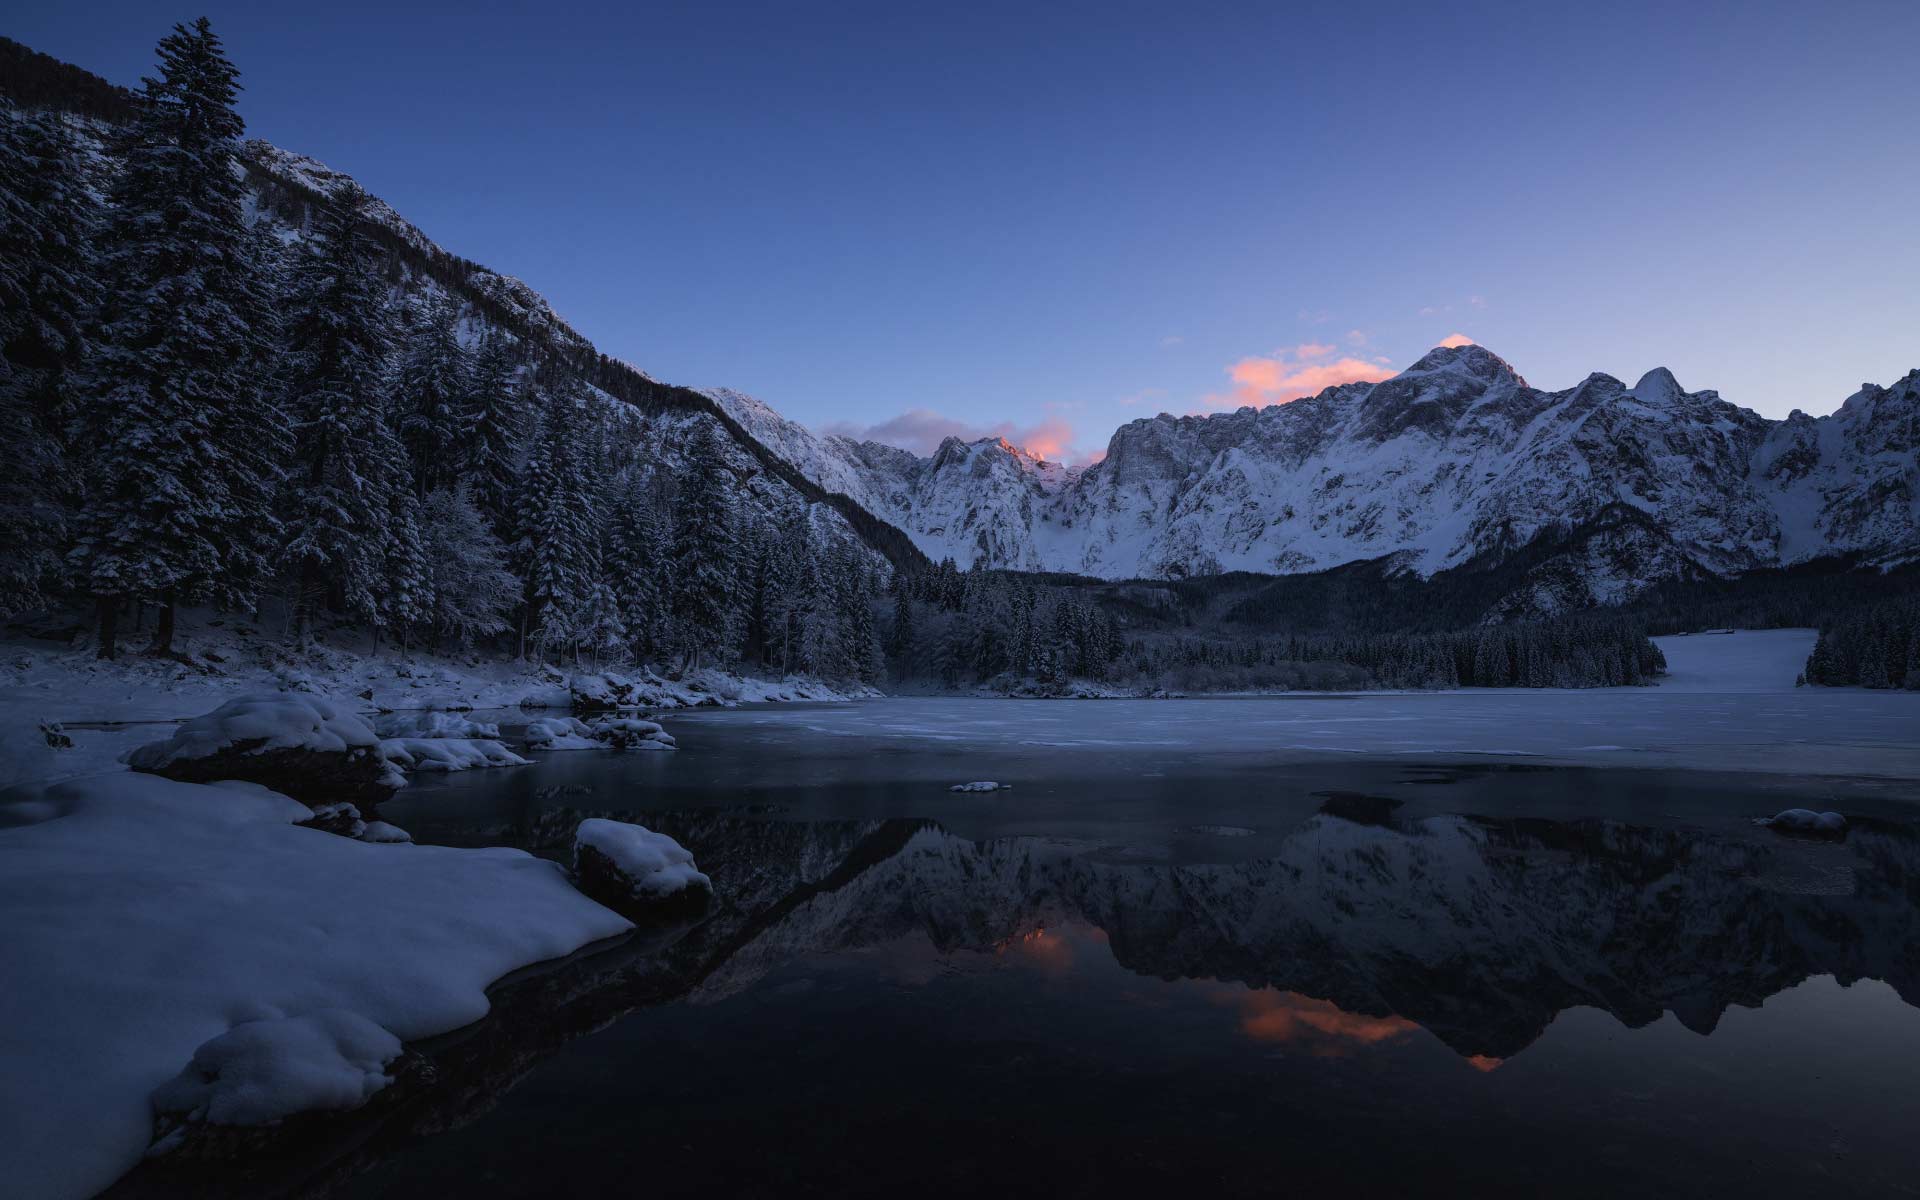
(873,1000)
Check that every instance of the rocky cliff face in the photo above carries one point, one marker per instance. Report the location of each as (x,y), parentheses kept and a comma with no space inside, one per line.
(1454,459)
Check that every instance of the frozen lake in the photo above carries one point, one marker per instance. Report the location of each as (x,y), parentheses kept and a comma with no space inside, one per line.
(1506,943)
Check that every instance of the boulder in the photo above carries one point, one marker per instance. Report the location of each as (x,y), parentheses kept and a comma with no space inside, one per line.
(313,749)
(640,874)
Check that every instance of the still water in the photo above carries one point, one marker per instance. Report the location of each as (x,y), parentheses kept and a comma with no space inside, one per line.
(1205,968)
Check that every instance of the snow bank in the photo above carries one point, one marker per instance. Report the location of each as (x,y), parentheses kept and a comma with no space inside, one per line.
(264,1071)
(279,721)
(145,918)
(654,864)
(980,785)
(447,754)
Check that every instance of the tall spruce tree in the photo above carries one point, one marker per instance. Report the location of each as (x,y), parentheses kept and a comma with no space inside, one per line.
(339,497)
(499,410)
(558,547)
(432,394)
(183,439)
(705,599)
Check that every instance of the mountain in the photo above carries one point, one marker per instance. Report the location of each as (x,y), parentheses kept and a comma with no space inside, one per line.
(1455,460)
(627,404)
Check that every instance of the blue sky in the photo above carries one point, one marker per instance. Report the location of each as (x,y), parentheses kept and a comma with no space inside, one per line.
(1047,219)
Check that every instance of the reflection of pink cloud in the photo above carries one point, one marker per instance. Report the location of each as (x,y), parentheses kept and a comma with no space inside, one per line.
(921,430)
(1318,1027)
(1288,376)
(1456,339)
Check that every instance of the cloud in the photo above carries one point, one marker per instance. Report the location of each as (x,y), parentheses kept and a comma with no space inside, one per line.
(1356,338)
(1289,374)
(1456,339)
(1172,339)
(1141,397)
(921,430)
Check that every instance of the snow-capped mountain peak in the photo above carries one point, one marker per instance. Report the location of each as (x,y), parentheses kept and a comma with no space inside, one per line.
(1455,458)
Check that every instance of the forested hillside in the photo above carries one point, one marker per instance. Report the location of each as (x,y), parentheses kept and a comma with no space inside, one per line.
(230,377)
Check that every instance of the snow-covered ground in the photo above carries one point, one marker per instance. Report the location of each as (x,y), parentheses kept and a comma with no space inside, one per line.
(42,681)
(1753,660)
(143,921)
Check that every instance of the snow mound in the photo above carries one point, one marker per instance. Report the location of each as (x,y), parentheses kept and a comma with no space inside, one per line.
(433,725)
(560,733)
(279,721)
(145,916)
(653,863)
(448,754)
(264,1071)
(1805,820)
(981,785)
(380,832)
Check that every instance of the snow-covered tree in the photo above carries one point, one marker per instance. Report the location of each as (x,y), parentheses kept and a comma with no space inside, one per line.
(48,295)
(183,438)
(338,499)
(705,579)
(499,409)
(558,548)
(432,394)
(467,578)
(636,557)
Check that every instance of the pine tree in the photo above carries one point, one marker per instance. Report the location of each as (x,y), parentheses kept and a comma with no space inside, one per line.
(48,295)
(432,393)
(467,578)
(558,547)
(499,410)
(339,497)
(705,579)
(185,441)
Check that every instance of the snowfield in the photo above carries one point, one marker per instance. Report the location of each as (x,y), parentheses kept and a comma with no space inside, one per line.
(1731,705)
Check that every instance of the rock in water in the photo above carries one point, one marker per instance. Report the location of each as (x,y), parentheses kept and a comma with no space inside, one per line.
(636,872)
(315,750)
(981,785)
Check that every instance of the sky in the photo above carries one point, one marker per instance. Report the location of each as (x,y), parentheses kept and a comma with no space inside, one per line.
(1042,221)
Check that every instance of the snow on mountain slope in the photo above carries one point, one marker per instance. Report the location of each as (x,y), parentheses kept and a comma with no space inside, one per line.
(1453,459)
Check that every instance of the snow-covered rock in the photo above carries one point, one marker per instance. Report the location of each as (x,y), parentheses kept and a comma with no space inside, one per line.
(634,870)
(309,747)
(980,785)
(267,1070)
(433,725)
(632,733)
(1806,821)
(448,754)
(561,733)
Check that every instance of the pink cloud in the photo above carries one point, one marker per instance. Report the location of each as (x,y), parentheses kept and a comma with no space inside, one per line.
(1288,375)
(921,430)
(1456,339)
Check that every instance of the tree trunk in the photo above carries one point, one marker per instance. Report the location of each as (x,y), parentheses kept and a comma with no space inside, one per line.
(309,587)
(109,609)
(163,628)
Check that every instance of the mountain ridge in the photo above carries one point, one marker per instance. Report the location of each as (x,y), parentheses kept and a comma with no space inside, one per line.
(1448,461)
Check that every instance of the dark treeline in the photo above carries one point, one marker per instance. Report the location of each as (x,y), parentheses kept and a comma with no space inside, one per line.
(1876,646)
(1002,628)
(210,411)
